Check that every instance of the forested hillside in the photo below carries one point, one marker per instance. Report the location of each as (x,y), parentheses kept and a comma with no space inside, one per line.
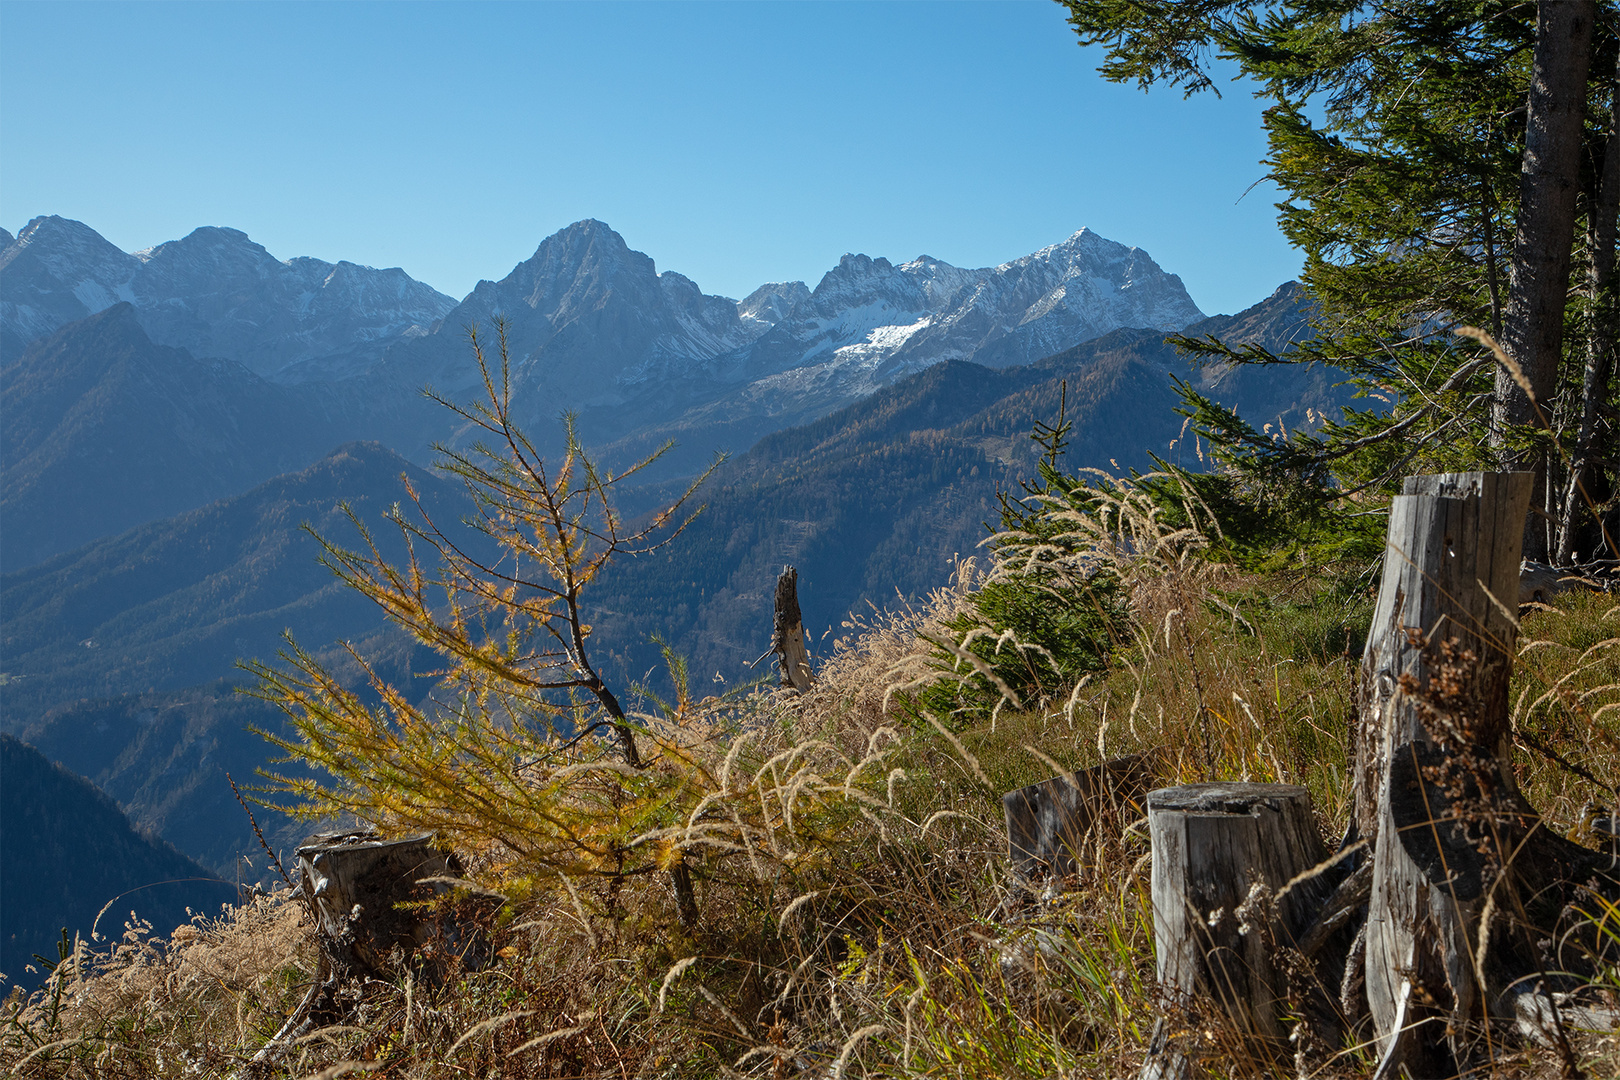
(104,430)
(68,855)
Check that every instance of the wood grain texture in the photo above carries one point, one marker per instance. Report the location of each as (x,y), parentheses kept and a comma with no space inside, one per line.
(359,886)
(1435,673)
(1048,823)
(1223,855)
(787,639)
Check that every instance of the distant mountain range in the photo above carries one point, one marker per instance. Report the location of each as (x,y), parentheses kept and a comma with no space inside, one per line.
(120,654)
(168,420)
(214,293)
(208,362)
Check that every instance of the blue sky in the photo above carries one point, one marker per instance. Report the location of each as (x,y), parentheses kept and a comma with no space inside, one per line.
(734,142)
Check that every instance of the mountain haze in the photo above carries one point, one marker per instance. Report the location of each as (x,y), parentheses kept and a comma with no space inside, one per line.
(126,647)
(66,852)
(101,429)
(215,293)
(177,602)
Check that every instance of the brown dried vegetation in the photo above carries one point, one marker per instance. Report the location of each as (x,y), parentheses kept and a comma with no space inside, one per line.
(854,917)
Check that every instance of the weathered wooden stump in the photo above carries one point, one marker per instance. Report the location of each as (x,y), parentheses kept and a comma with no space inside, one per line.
(1048,823)
(1224,856)
(787,638)
(1465,879)
(1433,754)
(369,898)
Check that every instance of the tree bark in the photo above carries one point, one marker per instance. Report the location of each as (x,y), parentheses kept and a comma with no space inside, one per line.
(1549,182)
(361,888)
(1224,855)
(1601,227)
(1434,683)
(1048,823)
(787,639)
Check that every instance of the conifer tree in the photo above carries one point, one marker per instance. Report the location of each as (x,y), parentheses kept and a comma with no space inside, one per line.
(1444,163)
(524,751)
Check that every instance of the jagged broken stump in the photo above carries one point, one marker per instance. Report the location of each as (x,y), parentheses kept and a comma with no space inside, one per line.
(379,905)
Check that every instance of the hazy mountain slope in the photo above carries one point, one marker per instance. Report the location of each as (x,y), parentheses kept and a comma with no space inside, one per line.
(100,429)
(872,503)
(177,602)
(641,355)
(215,293)
(66,851)
(167,757)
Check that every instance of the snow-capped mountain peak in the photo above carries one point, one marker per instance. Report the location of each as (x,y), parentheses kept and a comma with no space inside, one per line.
(869,321)
(772,303)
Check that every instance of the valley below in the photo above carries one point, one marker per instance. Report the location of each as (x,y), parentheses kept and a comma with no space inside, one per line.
(175,432)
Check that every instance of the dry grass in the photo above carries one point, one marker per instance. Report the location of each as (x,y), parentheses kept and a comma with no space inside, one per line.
(181,1003)
(854,916)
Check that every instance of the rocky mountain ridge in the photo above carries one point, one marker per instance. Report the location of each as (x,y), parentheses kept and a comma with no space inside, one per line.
(591,322)
(214,292)
(865,324)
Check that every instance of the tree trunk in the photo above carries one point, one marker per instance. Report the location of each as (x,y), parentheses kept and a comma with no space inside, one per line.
(1601,234)
(1223,858)
(1434,682)
(787,639)
(1548,184)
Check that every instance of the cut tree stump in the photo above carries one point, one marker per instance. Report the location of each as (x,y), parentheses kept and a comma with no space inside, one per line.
(368,896)
(787,638)
(1224,856)
(1048,823)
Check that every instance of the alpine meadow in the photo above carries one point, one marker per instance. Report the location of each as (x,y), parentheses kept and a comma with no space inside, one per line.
(939,671)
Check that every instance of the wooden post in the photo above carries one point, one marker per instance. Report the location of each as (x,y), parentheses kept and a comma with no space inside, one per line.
(787,639)
(1433,697)
(1048,822)
(1223,858)
(357,884)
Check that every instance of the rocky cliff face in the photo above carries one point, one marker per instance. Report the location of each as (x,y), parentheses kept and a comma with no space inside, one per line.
(593,326)
(214,293)
(870,322)
(585,316)
(56,272)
